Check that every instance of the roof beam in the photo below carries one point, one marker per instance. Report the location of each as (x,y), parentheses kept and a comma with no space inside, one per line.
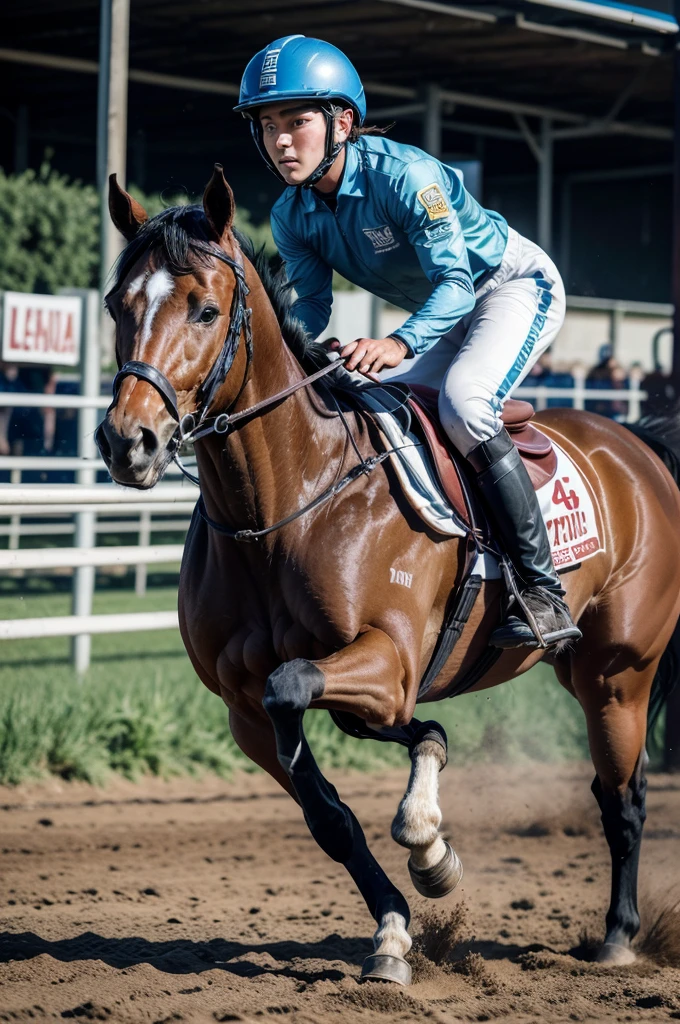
(625,14)
(452,10)
(581,125)
(583,7)
(91,67)
(582,35)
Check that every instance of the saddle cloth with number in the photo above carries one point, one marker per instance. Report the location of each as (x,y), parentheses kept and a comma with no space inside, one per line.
(438,488)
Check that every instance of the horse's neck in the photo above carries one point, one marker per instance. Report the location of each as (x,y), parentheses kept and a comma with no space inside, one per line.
(264,469)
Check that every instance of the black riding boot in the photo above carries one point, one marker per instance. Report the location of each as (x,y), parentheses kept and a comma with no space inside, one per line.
(511,500)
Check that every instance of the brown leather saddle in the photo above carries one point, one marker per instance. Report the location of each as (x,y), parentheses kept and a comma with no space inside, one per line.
(535,448)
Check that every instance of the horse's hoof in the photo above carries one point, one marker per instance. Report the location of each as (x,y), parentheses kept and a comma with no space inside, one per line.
(614,955)
(382,967)
(439,880)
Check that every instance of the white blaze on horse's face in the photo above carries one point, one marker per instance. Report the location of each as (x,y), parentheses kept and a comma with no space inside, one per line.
(158,286)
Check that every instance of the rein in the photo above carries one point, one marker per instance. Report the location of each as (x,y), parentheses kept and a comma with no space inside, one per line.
(191,429)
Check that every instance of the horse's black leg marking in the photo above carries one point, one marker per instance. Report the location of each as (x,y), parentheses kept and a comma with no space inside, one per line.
(288,693)
(623,818)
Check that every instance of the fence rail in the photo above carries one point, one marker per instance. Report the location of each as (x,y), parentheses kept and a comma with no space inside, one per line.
(71,558)
(86,625)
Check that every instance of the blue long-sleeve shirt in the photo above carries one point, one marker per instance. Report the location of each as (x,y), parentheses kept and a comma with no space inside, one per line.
(404,229)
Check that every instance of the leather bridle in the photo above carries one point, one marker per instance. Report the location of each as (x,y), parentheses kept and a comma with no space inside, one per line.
(199,423)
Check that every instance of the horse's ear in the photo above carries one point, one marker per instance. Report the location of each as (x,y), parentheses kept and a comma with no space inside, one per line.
(126,213)
(218,204)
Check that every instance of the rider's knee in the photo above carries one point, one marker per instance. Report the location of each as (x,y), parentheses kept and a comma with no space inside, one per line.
(468,419)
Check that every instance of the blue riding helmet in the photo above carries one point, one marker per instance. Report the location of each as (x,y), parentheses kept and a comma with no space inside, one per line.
(298,68)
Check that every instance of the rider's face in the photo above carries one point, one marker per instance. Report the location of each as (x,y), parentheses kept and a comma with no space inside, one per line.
(295,138)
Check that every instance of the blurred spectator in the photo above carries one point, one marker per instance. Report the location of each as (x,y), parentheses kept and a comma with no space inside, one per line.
(661,393)
(31,430)
(542,374)
(607,375)
(8,381)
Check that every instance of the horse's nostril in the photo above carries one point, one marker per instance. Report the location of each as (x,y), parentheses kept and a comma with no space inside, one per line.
(149,441)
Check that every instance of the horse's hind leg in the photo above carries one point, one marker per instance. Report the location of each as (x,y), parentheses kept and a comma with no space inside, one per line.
(288,693)
(616,711)
(623,816)
(433,865)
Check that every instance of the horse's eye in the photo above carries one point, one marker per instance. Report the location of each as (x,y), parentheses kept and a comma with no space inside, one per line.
(208,315)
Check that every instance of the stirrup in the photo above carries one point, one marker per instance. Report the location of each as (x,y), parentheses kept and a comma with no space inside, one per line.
(516,632)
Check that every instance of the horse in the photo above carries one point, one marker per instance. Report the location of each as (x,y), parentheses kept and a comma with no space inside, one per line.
(286,598)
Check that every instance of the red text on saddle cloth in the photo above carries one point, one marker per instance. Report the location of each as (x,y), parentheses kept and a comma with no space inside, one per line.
(569,514)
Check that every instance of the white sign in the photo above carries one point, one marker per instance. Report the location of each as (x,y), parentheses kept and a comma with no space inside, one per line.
(41,329)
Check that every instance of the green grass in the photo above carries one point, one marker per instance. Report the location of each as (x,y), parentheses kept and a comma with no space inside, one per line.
(141,709)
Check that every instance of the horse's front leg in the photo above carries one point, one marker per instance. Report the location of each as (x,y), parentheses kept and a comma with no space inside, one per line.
(434,866)
(288,693)
(367,679)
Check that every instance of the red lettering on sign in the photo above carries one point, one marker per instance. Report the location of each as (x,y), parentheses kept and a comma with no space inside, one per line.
(13,340)
(69,340)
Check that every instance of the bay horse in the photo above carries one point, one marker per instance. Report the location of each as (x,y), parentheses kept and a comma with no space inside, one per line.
(285,595)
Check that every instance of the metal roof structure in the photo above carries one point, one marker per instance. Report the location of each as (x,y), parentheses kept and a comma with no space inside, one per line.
(534,87)
(576,59)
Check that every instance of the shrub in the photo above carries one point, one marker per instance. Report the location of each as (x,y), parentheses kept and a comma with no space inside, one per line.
(49,227)
(50,232)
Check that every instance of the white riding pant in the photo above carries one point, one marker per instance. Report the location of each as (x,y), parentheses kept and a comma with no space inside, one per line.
(476,366)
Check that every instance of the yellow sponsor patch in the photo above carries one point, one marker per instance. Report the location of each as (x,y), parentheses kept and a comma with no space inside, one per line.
(431,197)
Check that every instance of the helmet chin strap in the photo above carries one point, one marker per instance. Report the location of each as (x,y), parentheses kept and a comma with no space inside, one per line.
(332,151)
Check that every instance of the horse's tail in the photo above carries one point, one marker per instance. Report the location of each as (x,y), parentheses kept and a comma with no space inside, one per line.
(662,435)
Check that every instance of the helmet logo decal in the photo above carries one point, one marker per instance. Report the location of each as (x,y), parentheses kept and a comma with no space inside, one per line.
(268,74)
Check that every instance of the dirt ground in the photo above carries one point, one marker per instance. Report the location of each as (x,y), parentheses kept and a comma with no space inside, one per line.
(208,901)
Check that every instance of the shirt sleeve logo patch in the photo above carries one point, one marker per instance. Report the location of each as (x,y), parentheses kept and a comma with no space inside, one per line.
(432,198)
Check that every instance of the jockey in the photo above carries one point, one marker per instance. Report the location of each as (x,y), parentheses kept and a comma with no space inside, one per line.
(484,302)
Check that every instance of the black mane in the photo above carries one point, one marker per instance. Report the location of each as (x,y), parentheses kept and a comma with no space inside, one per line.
(181,234)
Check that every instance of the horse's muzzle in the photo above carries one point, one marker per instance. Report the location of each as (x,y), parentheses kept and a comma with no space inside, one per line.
(137,460)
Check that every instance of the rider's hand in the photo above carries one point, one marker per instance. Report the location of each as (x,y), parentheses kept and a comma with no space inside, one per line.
(370,355)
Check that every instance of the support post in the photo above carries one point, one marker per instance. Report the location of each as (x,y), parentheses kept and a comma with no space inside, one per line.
(376,310)
(545,186)
(114,33)
(432,125)
(675,284)
(88,419)
(565,233)
(141,569)
(672,732)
